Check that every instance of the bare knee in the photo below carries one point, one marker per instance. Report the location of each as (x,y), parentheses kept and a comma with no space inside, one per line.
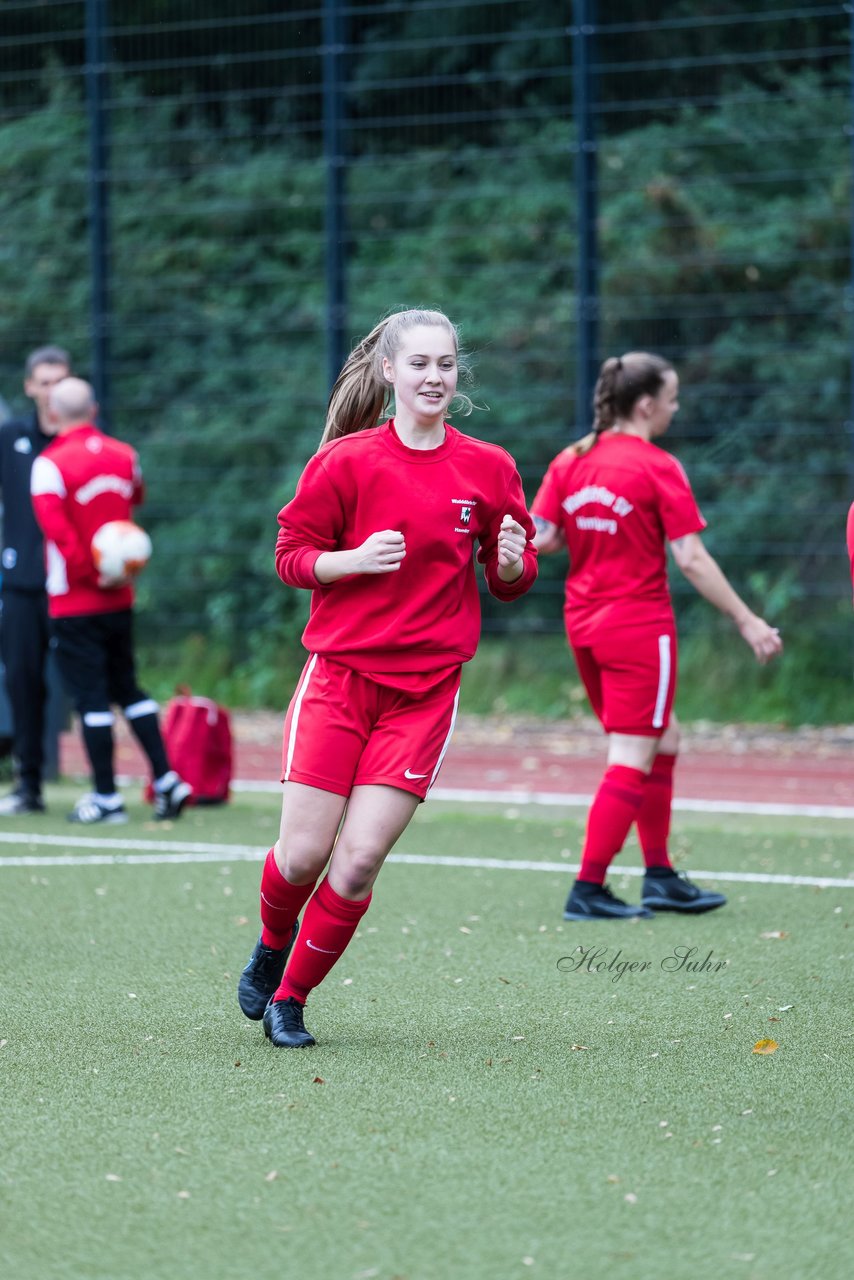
(632,750)
(670,740)
(300,860)
(354,870)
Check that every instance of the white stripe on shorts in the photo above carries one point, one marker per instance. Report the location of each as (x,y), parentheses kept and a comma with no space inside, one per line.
(292,736)
(447,741)
(663,681)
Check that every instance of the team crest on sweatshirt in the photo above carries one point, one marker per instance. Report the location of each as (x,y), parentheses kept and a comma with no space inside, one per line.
(466,506)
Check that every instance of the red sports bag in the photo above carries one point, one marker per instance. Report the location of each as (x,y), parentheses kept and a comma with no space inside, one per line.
(197,734)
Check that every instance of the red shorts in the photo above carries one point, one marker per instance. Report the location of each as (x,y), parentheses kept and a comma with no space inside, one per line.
(344,730)
(630,678)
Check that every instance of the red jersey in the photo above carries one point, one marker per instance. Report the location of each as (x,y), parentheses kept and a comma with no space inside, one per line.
(425,617)
(618,506)
(82,479)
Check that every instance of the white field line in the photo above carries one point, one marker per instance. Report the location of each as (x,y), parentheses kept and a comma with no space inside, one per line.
(157,853)
(572,800)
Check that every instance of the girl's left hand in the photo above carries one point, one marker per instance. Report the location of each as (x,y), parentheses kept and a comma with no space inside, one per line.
(512,541)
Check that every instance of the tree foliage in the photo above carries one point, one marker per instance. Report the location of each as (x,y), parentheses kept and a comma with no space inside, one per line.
(714,251)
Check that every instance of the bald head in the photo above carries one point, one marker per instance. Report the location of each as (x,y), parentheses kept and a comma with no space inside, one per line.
(71,402)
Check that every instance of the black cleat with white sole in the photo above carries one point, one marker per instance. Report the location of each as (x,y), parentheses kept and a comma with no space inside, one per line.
(169,802)
(89,810)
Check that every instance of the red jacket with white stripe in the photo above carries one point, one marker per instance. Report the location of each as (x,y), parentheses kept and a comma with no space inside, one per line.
(82,479)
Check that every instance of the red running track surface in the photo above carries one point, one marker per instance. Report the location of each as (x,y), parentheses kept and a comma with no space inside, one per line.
(734,763)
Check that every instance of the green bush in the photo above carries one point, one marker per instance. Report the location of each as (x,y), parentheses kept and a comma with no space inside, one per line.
(219,360)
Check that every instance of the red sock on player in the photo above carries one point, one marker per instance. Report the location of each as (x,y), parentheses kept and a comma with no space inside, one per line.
(327,927)
(281,903)
(615,807)
(653,820)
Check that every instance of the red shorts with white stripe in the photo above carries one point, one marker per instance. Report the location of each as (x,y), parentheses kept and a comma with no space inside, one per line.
(630,678)
(345,730)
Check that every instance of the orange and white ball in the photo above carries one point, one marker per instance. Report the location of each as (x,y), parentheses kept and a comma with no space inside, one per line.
(120,549)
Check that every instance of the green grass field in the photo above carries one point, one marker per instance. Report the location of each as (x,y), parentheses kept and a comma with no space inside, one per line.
(474,1109)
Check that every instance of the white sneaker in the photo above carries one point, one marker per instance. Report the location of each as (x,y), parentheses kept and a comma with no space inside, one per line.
(89,809)
(19,802)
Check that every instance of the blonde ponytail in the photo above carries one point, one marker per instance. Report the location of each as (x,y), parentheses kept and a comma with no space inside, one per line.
(358,397)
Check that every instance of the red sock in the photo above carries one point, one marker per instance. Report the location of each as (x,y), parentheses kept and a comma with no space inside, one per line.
(327,927)
(654,814)
(281,903)
(615,807)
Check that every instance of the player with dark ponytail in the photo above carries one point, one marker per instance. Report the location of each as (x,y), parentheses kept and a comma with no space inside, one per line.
(615,500)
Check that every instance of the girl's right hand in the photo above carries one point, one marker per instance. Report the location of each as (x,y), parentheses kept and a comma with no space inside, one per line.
(382,552)
(763,639)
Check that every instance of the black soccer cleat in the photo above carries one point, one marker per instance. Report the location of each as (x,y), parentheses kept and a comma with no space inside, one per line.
(596,902)
(170,802)
(284,1027)
(261,977)
(89,810)
(667,890)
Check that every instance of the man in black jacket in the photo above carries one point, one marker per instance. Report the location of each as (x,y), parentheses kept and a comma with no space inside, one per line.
(24,634)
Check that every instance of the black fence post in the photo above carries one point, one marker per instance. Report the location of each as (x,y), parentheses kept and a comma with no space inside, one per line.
(95,73)
(335,212)
(587,285)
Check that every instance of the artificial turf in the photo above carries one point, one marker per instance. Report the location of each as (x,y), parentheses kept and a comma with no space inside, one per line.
(485,1101)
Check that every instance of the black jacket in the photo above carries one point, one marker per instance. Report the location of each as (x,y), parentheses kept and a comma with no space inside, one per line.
(22,563)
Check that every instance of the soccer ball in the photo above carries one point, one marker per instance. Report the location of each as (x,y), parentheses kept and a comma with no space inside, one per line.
(120,550)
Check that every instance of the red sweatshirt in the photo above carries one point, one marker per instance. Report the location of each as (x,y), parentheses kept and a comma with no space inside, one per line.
(425,616)
(618,506)
(79,482)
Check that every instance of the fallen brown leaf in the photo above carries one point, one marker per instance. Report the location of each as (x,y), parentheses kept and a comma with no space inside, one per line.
(766,1046)
(318,1080)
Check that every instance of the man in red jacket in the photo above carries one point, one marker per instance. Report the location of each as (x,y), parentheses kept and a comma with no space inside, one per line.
(82,480)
